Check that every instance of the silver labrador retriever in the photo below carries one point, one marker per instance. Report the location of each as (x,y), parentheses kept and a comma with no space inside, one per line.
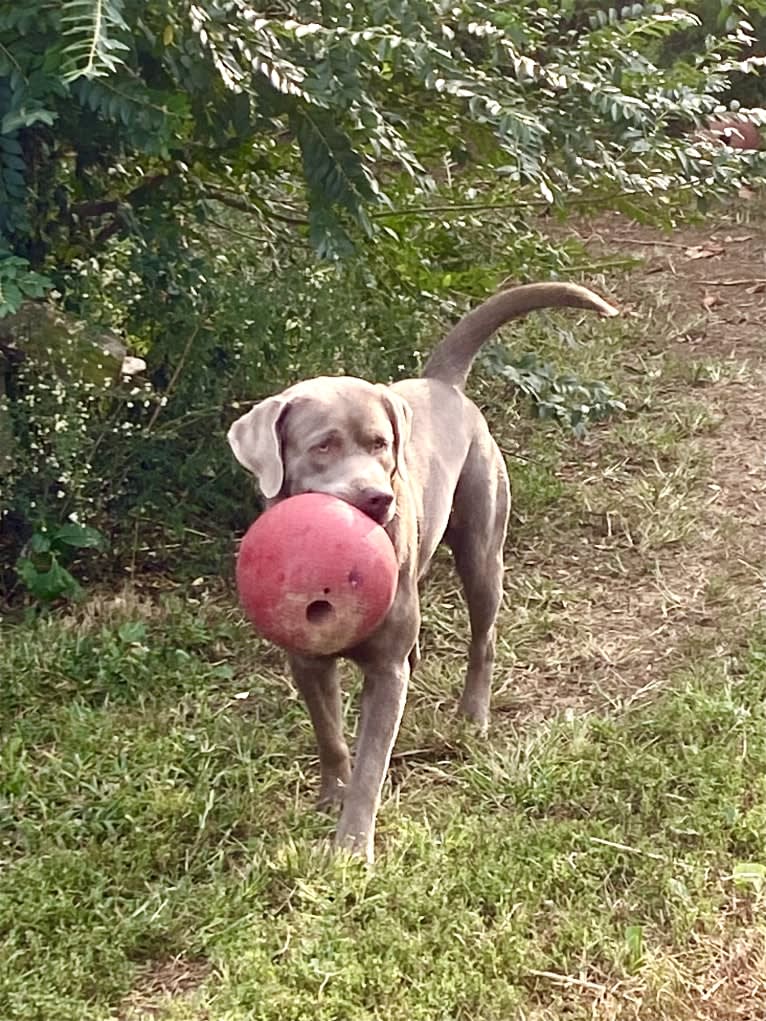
(417,457)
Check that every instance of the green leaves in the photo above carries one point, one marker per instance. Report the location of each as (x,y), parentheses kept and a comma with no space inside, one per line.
(328,109)
(148,120)
(750,875)
(92,29)
(244,47)
(17,282)
(77,536)
(49,583)
(336,178)
(43,572)
(569,401)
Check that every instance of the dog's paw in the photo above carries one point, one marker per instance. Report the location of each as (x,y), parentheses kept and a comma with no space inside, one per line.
(475,711)
(331,795)
(357,845)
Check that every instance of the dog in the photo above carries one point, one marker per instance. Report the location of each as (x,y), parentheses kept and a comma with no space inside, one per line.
(418,458)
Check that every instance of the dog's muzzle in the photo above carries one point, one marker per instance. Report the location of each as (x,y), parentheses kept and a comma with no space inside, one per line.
(375,503)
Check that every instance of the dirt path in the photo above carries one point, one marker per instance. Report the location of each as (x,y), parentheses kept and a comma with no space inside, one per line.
(662,559)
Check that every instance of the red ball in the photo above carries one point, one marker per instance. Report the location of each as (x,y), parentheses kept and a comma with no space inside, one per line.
(316,575)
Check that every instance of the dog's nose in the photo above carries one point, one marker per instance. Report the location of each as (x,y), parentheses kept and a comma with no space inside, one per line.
(374,503)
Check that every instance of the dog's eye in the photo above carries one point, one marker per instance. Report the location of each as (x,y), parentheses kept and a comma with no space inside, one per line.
(326,445)
(379,443)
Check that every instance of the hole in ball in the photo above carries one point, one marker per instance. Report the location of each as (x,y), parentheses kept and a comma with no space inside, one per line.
(318,611)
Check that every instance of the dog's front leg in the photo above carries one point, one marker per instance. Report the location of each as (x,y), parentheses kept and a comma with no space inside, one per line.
(317,680)
(383,697)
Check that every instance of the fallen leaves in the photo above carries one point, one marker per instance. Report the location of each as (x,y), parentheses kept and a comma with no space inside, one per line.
(708,250)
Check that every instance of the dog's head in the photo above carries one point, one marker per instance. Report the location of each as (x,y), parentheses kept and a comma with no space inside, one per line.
(335,435)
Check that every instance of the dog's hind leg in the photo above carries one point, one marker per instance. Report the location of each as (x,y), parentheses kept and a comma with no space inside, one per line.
(476,536)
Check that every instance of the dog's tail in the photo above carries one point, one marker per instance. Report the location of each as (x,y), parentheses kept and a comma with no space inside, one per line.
(451,361)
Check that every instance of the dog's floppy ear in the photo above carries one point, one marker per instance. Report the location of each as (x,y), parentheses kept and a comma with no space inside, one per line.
(400,413)
(256,443)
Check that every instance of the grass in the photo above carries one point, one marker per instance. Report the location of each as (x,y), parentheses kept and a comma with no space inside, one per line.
(152,816)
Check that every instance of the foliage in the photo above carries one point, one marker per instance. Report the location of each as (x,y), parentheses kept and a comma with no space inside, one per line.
(113,105)
(42,568)
(158,439)
(172,171)
(559,396)
(92,30)
(714,16)
(18,282)
(58,405)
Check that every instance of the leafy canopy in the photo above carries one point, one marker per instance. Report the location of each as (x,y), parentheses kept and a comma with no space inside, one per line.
(307,119)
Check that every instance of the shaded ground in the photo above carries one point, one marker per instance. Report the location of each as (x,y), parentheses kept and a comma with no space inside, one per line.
(162,983)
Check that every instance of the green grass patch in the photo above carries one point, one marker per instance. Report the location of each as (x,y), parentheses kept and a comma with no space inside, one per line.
(148,814)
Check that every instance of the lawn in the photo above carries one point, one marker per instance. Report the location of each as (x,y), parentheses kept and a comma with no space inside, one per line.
(158,843)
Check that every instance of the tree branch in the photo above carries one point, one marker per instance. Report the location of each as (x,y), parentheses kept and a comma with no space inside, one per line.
(92,210)
(233,202)
(174,378)
(238,233)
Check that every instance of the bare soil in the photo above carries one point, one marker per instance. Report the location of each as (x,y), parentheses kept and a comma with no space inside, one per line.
(664,561)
